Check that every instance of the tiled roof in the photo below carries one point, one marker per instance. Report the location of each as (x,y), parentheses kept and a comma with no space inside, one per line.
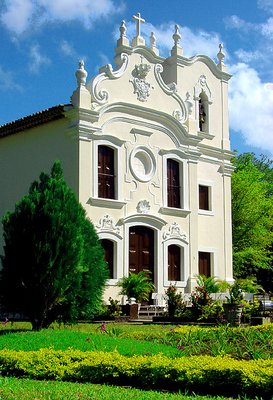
(30,121)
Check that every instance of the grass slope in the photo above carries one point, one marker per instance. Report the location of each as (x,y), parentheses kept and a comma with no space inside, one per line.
(27,389)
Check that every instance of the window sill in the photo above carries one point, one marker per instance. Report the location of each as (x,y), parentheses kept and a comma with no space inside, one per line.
(100,202)
(174,211)
(206,212)
(205,135)
(111,282)
(178,284)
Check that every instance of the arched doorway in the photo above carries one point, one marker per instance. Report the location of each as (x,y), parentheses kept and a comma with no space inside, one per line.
(141,250)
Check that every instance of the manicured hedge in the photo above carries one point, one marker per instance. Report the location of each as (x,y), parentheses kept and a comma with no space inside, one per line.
(201,374)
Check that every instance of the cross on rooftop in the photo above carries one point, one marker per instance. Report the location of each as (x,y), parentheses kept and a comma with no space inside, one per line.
(138,20)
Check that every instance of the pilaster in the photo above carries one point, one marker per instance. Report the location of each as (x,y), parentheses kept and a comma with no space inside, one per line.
(193,223)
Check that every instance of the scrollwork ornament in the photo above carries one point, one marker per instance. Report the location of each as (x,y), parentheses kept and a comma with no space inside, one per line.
(174,231)
(141,86)
(143,207)
(106,223)
(107,72)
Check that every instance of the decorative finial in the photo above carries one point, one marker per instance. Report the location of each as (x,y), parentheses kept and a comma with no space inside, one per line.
(152,40)
(176,35)
(81,97)
(189,103)
(138,40)
(153,44)
(123,40)
(81,74)
(122,29)
(221,57)
(177,49)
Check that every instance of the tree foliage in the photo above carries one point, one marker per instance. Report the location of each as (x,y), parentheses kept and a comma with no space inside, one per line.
(252,214)
(53,263)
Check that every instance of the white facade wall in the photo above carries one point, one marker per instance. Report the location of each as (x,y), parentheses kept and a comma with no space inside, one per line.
(137,111)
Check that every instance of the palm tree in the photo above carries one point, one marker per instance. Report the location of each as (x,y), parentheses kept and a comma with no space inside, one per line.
(138,286)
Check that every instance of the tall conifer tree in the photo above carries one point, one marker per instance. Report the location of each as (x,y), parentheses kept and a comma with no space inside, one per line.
(53,263)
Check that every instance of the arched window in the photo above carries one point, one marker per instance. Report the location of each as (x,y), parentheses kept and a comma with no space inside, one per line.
(174,263)
(106,172)
(173,184)
(108,246)
(203,112)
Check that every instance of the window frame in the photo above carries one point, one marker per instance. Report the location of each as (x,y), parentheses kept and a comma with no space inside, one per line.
(203,99)
(174,168)
(113,251)
(111,176)
(118,168)
(184,262)
(180,263)
(118,255)
(209,254)
(210,187)
(183,177)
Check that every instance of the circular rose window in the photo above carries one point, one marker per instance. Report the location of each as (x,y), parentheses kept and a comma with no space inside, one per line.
(142,164)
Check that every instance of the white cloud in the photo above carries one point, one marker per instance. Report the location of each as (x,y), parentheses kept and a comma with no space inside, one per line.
(37,59)
(17,15)
(251,107)
(266,5)
(84,10)
(267,28)
(21,15)
(67,49)
(235,22)
(248,56)
(7,81)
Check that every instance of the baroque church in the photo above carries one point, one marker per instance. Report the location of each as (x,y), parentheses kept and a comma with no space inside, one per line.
(145,147)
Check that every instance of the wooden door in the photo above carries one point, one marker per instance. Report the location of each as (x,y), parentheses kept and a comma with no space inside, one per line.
(141,250)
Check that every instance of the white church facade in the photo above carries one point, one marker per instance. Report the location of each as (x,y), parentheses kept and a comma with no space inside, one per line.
(145,146)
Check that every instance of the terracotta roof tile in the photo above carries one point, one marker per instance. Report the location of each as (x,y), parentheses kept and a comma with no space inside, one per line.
(30,121)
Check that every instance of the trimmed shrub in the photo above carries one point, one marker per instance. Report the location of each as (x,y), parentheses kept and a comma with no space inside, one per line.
(201,374)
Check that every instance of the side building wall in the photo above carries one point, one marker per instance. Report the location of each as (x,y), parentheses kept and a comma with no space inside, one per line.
(24,155)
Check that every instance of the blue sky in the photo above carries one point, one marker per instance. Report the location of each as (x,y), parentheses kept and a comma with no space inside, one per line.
(42,40)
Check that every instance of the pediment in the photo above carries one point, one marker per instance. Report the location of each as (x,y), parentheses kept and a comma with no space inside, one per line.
(138,81)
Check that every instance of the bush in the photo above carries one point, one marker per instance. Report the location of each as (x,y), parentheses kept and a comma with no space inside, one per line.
(137,286)
(201,374)
(175,303)
(203,306)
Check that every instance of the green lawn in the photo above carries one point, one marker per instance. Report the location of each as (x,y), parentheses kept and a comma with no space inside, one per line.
(27,389)
(63,339)
(127,339)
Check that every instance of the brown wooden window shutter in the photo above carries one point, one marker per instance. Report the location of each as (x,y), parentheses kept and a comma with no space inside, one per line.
(174,263)
(204,198)
(106,172)
(173,184)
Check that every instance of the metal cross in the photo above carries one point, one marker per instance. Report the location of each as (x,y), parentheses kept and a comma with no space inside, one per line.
(138,20)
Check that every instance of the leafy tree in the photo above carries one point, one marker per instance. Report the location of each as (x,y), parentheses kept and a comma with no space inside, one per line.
(53,263)
(252,214)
